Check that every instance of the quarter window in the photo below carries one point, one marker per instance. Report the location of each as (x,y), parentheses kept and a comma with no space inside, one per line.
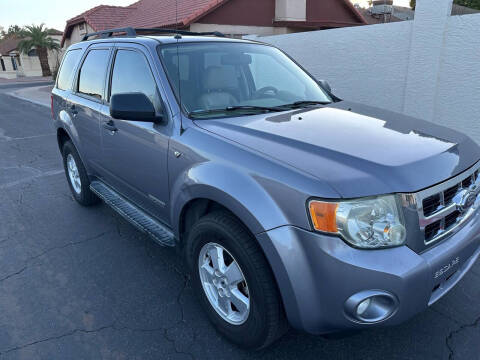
(66,71)
(92,74)
(131,73)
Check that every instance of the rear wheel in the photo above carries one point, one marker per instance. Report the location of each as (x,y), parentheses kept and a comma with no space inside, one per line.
(77,176)
(234,281)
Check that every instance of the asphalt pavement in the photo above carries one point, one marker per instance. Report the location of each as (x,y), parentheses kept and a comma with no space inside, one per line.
(82,283)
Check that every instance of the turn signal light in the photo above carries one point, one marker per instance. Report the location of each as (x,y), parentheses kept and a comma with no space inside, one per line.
(324,215)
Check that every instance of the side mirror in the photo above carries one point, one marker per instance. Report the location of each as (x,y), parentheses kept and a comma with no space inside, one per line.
(325,85)
(132,106)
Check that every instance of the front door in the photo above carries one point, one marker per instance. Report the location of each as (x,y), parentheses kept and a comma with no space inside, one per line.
(134,157)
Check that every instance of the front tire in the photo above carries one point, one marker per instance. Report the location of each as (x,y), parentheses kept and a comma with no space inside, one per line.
(234,281)
(77,176)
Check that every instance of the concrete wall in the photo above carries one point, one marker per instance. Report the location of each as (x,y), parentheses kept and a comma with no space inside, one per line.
(365,64)
(427,68)
(457,99)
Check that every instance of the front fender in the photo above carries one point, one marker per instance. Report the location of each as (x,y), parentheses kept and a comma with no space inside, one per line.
(244,195)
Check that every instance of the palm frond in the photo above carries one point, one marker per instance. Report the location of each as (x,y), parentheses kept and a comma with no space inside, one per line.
(37,36)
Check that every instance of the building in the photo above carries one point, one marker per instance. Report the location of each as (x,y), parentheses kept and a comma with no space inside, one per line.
(15,64)
(232,17)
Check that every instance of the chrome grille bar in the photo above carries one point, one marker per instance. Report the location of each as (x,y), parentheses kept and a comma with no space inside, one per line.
(433,224)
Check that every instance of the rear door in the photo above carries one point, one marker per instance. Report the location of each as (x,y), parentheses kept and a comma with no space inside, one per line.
(84,104)
(63,86)
(135,153)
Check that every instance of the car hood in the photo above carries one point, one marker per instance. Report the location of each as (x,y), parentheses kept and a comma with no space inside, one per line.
(359,150)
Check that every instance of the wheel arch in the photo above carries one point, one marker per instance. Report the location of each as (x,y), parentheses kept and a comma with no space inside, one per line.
(62,138)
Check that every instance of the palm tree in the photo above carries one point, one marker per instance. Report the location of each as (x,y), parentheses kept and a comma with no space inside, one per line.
(38,37)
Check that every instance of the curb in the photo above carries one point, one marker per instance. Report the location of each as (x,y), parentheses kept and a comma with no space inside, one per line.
(15,95)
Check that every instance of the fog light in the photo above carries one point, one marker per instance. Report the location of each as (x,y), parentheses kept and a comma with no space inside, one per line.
(371,306)
(363,306)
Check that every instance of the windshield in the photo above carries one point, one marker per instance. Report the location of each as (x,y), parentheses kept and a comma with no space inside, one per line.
(214,79)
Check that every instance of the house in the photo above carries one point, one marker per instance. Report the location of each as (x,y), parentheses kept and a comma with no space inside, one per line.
(232,17)
(15,64)
(394,13)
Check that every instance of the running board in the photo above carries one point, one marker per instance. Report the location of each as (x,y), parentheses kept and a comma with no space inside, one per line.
(145,223)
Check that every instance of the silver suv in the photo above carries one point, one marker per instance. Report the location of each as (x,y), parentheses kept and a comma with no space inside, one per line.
(290,205)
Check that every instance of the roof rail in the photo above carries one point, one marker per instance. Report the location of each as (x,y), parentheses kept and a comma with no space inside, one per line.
(109,33)
(180,32)
(131,32)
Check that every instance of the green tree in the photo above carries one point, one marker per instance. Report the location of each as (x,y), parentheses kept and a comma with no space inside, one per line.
(38,37)
(413,4)
(13,31)
(473,4)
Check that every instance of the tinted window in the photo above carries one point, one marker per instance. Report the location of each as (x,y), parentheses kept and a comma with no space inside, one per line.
(66,71)
(92,73)
(131,73)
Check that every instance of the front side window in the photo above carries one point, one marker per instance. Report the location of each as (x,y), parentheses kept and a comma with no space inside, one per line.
(132,73)
(92,74)
(68,66)
(210,77)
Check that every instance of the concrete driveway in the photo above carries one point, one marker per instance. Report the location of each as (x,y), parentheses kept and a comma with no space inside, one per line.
(81,283)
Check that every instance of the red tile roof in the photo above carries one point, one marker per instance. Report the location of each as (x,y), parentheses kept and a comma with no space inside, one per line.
(144,13)
(8,45)
(151,13)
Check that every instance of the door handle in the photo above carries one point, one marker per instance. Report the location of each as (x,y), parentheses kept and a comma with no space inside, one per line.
(110,126)
(74,110)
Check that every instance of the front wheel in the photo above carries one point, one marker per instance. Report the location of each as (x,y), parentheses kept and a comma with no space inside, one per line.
(234,281)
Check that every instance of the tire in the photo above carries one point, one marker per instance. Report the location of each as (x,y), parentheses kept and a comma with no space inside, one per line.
(81,192)
(266,320)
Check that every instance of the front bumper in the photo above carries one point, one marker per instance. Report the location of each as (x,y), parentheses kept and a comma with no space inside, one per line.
(316,274)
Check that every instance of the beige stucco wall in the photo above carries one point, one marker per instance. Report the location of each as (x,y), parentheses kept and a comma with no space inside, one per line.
(240,29)
(77,35)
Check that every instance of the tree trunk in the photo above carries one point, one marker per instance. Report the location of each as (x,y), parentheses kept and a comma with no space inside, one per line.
(43,57)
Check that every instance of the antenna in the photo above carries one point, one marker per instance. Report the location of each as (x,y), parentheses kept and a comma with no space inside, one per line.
(178,37)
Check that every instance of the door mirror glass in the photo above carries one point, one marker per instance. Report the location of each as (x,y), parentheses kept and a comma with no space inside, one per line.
(325,85)
(132,106)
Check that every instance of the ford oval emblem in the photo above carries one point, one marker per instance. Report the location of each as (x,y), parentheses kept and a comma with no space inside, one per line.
(467,201)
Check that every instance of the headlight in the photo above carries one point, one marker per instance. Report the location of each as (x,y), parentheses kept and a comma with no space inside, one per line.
(368,223)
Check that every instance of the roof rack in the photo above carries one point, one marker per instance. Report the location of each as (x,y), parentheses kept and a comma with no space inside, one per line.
(132,32)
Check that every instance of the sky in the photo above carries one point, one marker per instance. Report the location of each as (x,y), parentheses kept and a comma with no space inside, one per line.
(54,13)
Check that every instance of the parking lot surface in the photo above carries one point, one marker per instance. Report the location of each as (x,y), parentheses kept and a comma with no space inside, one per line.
(82,283)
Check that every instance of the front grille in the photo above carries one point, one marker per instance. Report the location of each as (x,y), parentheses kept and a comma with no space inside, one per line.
(450,193)
(451,219)
(432,230)
(431,204)
(440,209)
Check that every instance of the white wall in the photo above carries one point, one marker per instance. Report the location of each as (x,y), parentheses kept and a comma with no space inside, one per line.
(457,102)
(366,64)
(428,68)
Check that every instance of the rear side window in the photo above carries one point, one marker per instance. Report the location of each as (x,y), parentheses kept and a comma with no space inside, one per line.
(66,71)
(92,74)
(131,73)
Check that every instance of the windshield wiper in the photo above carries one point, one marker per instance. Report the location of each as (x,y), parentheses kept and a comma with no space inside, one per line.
(251,107)
(303,103)
(237,108)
